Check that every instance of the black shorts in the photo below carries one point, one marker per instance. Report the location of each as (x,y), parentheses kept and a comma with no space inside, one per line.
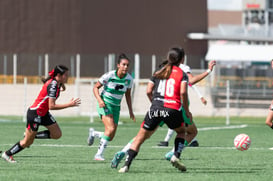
(173,118)
(34,120)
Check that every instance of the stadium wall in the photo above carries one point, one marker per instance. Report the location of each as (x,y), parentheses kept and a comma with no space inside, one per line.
(88,27)
(21,96)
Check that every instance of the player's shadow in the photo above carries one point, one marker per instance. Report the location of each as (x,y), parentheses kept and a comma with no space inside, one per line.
(158,159)
(225,170)
(203,170)
(35,156)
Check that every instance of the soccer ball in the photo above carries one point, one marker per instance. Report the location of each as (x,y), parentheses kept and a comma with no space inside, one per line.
(242,142)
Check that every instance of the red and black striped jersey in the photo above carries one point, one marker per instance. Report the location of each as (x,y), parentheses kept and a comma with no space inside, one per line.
(49,90)
(166,92)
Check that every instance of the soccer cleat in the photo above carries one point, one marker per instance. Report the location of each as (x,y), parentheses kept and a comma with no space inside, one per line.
(169,155)
(91,137)
(163,143)
(177,164)
(124,169)
(117,158)
(8,158)
(194,144)
(99,158)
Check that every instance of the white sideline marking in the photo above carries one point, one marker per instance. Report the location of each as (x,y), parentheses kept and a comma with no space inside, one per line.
(66,146)
(156,147)
(222,127)
(4,120)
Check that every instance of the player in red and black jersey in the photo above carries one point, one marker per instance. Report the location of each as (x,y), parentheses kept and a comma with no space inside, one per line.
(38,113)
(165,90)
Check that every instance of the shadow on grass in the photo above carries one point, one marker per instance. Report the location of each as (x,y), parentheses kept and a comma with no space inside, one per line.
(225,170)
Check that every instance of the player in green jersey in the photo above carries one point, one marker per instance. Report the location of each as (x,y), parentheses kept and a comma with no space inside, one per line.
(115,84)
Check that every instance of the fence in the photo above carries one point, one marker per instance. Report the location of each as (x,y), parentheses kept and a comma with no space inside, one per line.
(17,97)
(14,67)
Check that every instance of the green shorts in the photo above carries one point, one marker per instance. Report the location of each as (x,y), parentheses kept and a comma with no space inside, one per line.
(109,109)
(186,119)
(161,123)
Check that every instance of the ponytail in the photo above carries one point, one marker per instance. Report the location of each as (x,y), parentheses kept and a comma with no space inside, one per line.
(164,72)
(59,69)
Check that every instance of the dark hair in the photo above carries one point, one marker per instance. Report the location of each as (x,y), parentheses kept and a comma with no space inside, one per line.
(59,69)
(122,56)
(174,57)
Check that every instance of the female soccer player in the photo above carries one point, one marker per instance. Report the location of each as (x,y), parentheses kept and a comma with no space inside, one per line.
(38,114)
(191,128)
(167,88)
(116,83)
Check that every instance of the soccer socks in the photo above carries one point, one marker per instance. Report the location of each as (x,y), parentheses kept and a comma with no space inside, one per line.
(169,135)
(103,144)
(127,147)
(43,135)
(186,143)
(15,149)
(178,146)
(98,134)
(129,158)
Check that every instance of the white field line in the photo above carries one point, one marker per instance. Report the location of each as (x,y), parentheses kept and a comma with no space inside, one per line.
(116,146)
(222,127)
(113,146)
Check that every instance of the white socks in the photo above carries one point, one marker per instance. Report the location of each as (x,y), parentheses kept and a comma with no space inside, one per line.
(103,145)
(169,135)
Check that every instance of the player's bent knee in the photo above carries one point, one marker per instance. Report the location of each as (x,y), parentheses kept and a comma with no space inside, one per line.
(196,132)
(56,135)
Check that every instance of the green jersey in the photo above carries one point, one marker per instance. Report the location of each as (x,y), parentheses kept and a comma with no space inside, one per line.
(114,87)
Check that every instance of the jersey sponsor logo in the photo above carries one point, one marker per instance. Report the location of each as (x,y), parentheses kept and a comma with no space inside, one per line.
(158,113)
(165,100)
(119,86)
(53,89)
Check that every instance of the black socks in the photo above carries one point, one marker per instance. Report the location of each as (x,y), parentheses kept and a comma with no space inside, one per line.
(131,155)
(43,135)
(15,149)
(178,146)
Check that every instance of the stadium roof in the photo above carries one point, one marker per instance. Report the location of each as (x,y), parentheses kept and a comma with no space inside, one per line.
(237,52)
(229,37)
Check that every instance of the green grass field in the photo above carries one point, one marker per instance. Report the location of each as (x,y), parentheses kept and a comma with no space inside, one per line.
(69,158)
